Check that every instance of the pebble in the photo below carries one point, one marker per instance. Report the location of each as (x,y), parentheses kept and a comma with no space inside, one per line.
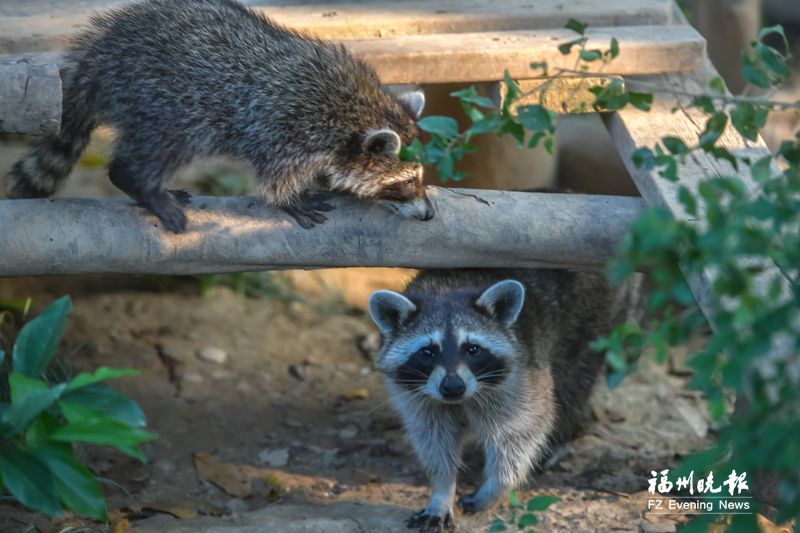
(348,432)
(236,506)
(212,355)
(279,457)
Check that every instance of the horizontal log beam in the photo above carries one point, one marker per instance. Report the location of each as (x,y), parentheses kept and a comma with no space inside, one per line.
(473,228)
(474,57)
(30,97)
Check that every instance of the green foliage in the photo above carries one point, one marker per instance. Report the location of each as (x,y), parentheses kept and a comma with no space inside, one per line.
(528,124)
(522,517)
(748,245)
(40,421)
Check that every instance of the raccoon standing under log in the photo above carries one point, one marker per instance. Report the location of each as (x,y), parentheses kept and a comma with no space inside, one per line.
(181,79)
(500,355)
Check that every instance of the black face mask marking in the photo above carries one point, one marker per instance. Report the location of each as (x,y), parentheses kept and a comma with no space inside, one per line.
(484,365)
(414,373)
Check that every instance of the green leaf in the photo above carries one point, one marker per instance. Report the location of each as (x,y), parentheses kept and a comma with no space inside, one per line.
(613,51)
(513,499)
(540,65)
(75,485)
(688,200)
(717,84)
(576,26)
(470,95)
(749,119)
(38,432)
(613,379)
(103,373)
(535,118)
(29,397)
(86,425)
(446,127)
(540,503)
(674,145)
(497,526)
(527,520)
(2,357)
(109,402)
(753,73)
(590,55)
(704,102)
(28,480)
(641,101)
(566,47)
(38,339)
(762,169)
(713,130)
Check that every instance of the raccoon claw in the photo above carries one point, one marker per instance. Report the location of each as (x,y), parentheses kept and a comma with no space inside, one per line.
(469,503)
(307,211)
(168,210)
(183,197)
(427,523)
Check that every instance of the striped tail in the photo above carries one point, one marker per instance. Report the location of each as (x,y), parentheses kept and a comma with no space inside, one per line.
(51,159)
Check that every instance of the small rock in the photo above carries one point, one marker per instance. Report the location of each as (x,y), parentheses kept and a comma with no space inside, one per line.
(661,526)
(236,506)
(279,457)
(192,377)
(348,432)
(212,355)
(331,458)
(365,371)
(165,465)
(298,371)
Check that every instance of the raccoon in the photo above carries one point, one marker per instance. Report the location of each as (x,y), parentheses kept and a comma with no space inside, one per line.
(498,355)
(181,79)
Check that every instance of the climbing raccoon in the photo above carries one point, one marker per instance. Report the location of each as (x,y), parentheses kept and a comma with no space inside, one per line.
(499,355)
(180,79)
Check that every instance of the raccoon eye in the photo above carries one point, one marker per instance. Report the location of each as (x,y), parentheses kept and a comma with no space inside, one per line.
(426,351)
(472,349)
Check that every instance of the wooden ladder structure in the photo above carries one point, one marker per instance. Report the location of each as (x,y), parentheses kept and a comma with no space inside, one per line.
(432,41)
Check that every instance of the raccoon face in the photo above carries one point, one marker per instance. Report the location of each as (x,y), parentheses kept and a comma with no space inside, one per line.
(370,167)
(449,347)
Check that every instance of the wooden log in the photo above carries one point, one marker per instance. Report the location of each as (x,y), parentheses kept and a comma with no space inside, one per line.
(29,29)
(470,57)
(30,97)
(472,228)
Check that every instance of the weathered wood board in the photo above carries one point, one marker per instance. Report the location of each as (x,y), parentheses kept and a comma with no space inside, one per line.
(472,228)
(49,24)
(30,97)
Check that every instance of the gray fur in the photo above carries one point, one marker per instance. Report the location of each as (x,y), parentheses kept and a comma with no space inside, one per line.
(181,79)
(535,403)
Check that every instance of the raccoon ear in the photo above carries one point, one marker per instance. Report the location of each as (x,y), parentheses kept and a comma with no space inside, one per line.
(389,309)
(383,141)
(414,102)
(503,300)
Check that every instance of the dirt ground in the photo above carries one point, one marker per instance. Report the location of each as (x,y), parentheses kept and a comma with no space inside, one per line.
(297,400)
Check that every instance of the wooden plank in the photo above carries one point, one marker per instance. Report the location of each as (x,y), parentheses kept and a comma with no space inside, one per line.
(631,128)
(30,97)
(470,57)
(472,228)
(26,28)
(474,57)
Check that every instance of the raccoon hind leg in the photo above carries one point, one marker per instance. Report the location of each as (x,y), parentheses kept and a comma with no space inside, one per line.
(143,183)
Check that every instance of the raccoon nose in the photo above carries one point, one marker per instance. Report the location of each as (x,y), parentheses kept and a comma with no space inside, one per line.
(452,387)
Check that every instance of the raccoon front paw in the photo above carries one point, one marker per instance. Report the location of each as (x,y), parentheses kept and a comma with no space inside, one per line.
(472,503)
(183,197)
(307,211)
(428,523)
(168,210)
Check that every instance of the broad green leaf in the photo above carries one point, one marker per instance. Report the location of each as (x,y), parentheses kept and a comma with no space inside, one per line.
(75,485)
(675,145)
(497,526)
(566,48)
(762,169)
(639,100)
(86,425)
(714,128)
(38,432)
(513,499)
(101,374)
(590,55)
(613,51)
(38,339)
(446,127)
(540,503)
(749,119)
(527,520)
(753,73)
(29,397)
(28,480)
(535,117)
(107,401)
(576,26)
